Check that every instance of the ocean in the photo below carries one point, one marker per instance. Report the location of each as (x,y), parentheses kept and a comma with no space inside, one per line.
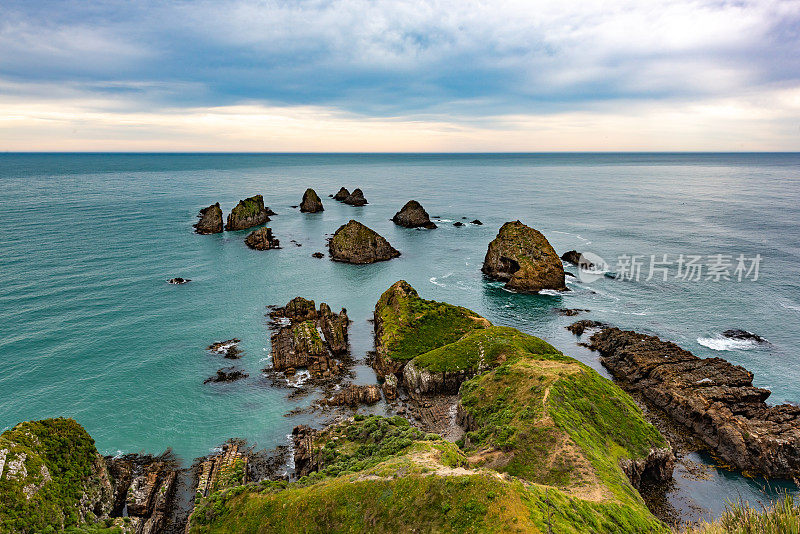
(90,329)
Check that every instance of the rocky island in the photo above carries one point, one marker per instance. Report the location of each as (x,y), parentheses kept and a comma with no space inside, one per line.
(356,198)
(248,213)
(355,243)
(413,215)
(342,194)
(311,202)
(523,258)
(262,239)
(210,220)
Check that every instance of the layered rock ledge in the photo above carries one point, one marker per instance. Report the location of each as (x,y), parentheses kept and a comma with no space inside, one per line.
(262,239)
(311,202)
(355,243)
(248,213)
(309,338)
(413,215)
(710,396)
(210,220)
(523,258)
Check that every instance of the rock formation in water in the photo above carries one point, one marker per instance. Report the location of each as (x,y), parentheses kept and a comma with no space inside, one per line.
(210,220)
(248,213)
(309,338)
(262,239)
(413,215)
(476,222)
(712,397)
(744,335)
(311,202)
(177,281)
(578,327)
(354,395)
(355,243)
(226,374)
(356,198)
(341,195)
(576,258)
(523,258)
(229,349)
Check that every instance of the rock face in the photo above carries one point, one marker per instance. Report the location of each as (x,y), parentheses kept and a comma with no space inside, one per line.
(353,395)
(310,338)
(144,486)
(656,467)
(524,259)
(712,397)
(262,239)
(355,243)
(743,335)
(341,195)
(356,198)
(248,213)
(210,220)
(311,202)
(413,215)
(576,258)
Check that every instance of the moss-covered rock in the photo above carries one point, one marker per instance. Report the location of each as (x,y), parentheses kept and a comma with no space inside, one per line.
(210,220)
(523,258)
(311,202)
(248,213)
(51,476)
(355,243)
(413,215)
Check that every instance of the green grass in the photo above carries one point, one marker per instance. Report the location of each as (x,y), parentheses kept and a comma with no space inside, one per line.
(68,453)
(783,517)
(412,326)
(249,207)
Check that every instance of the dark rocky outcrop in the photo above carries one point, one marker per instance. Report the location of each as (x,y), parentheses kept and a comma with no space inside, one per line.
(355,243)
(353,395)
(311,202)
(476,222)
(226,374)
(578,327)
(413,215)
(570,312)
(305,461)
(177,281)
(248,213)
(743,335)
(210,220)
(144,487)
(656,467)
(262,239)
(576,258)
(309,338)
(356,198)
(341,195)
(229,349)
(318,255)
(524,259)
(458,223)
(712,397)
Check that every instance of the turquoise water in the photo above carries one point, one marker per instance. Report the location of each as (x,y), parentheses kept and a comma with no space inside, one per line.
(91,330)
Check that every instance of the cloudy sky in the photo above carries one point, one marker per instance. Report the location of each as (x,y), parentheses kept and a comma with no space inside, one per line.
(381,75)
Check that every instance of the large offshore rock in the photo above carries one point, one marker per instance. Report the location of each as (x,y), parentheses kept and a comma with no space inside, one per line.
(342,194)
(712,397)
(355,243)
(356,198)
(523,258)
(262,239)
(248,213)
(210,220)
(311,202)
(413,215)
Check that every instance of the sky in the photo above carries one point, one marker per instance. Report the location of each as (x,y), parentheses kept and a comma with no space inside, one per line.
(400,76)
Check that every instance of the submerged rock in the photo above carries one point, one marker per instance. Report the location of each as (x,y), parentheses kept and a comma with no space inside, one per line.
(226,374)
(524,259)
(576,258)
(413,215)
(341,195)
(356,198)
(579,327)
(355,243)
(476,222)
(311,202)
(229,349)
(458,223)
(262,239)
(309,338)
(743,335)
(710,396)
(178,281)
(210,220)
(353,395)
(318,255)
(248,213)
(570,312)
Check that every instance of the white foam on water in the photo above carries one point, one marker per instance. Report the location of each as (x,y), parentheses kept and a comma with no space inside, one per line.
(791,306)
(720,343)
(551,292)
(585,241)
(299,378)
(435,280)
(263,360)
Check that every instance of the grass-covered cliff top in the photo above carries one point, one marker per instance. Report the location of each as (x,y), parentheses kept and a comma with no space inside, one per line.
(249,207)
(382,475)
(410,326)
(46,469)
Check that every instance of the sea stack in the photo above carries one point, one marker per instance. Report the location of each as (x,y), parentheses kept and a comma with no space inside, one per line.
(311,202)
(413,215)
(248,213)
(524,259)
(342,194)
(262,239)
(355,243)
(356,198)
(210,220)
(576,258)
